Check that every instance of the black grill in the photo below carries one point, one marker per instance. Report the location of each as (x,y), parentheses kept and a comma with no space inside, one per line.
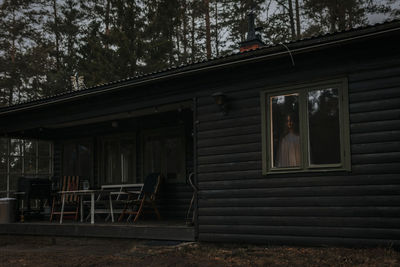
(34,188)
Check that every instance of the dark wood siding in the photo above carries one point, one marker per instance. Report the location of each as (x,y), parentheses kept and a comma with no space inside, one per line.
(237,203)
(174,201)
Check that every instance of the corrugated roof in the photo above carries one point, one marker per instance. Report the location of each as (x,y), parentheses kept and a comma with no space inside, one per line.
(215,61)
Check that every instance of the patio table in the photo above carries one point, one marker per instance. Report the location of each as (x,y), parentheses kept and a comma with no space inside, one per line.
(81,193)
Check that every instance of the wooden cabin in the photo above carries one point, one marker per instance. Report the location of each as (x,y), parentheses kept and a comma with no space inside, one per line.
(297,143)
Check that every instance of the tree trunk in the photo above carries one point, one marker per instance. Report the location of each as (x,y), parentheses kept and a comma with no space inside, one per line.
(192,35)
(216,29)
(13,67)
(242,30)
(184,33)
(171,41)
(107,22)
(178,45)
(291,18)
(208,31)
(298,25)
(56,34)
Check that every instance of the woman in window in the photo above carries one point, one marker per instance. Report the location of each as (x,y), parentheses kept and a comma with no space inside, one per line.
(289,147)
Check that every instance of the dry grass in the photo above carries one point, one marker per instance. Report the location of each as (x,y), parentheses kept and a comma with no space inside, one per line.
(47,251)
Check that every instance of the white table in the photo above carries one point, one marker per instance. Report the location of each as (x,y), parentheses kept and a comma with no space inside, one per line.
(104,190)
(80,193)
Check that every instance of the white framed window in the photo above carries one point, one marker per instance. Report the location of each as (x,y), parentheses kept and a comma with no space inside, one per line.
(20,157)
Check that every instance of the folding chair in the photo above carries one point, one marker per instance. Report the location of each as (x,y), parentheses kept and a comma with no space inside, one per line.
(146,198)
(71,201)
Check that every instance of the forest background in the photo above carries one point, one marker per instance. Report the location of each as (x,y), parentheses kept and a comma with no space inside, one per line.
(49,47)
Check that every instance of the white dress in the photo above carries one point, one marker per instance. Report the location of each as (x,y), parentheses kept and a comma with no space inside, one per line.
(289,151)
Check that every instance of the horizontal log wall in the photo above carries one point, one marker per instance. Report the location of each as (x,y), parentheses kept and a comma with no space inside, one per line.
(174,201)
(361,207)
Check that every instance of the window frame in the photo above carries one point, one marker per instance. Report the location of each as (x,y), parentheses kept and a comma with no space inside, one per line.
(302,89)
(11,177)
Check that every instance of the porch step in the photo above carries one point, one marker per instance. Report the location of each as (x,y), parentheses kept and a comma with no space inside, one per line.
(149,232)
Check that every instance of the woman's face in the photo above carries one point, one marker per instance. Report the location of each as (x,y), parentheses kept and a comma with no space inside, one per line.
(289,122)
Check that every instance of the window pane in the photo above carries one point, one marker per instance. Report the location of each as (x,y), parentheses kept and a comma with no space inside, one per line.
(44,165)
(16,165)
(16,147)
(3,146)
(3,183)
(14,181)
(44,149)
(30,165)
(285,131)
(324,131)
(3,164)
(30,147)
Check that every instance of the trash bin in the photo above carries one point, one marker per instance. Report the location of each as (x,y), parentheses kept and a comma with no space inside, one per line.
(7,210)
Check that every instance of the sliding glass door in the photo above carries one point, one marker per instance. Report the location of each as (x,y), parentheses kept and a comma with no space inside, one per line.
(164,152)
(119,159)
(78,159)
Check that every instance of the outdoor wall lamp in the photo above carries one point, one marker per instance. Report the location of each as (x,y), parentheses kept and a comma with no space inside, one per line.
(221,100)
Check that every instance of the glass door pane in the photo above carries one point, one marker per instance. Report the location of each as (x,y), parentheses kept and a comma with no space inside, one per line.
(77,160)
(153,154)
(173,151)
(112,162)
(85,161)
(69,159)
(128,160)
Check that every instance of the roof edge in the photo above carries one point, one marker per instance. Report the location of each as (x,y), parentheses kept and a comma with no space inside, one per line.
(260,54)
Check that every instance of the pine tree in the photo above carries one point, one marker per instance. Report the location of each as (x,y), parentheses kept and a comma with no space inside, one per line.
(197,31)
(219,27)
(98,49)
(18,41)
(70,32)
(162,47)
(338,15)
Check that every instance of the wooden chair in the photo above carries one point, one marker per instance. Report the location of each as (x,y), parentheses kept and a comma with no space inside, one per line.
(71,201)
(145,199)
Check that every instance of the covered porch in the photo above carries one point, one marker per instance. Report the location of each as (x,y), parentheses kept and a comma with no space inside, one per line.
(115,149)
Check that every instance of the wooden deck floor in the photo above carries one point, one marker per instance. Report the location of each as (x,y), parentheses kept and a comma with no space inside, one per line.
(152,230)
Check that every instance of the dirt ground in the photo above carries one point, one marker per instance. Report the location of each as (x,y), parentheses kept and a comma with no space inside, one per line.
(50,251)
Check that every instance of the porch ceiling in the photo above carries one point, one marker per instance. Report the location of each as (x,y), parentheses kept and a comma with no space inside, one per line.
(62,127)
(122,115)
